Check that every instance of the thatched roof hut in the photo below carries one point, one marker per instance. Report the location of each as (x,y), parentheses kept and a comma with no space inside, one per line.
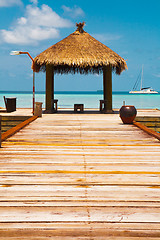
(79,52)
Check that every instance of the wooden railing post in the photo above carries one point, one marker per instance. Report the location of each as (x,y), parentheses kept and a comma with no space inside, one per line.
(0,130)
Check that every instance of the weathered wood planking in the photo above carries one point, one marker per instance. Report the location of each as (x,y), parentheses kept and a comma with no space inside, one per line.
(80,176)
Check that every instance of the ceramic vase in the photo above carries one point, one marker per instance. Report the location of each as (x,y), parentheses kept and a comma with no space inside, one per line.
(127,114)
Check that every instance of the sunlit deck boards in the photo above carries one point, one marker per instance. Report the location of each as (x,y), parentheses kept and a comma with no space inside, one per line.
(80,176)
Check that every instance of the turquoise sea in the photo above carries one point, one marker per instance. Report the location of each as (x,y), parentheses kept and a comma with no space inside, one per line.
(89,99)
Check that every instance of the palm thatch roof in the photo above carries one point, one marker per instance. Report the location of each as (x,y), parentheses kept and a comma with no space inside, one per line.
(79,52)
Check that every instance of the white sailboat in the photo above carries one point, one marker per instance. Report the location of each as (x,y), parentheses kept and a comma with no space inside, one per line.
(146,90)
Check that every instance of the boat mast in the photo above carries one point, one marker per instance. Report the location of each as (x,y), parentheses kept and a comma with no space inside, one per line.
(141,77)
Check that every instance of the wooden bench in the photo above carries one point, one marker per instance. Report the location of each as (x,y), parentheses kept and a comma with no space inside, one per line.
(10,104)
(55,105)
(101,107)
(78,106)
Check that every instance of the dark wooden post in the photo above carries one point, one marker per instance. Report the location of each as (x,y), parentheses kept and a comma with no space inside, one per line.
(0,130)
(107,88)
(49,87)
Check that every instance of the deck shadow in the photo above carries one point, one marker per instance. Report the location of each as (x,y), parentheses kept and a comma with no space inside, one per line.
(85,112)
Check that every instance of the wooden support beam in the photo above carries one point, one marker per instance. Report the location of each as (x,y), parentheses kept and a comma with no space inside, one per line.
(107,88)
(49,87)
(17,128)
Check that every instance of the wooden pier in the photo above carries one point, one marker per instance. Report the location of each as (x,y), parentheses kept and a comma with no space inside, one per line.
(80,176)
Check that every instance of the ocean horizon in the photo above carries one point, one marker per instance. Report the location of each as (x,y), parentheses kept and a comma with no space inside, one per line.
(90,99)
(65,92)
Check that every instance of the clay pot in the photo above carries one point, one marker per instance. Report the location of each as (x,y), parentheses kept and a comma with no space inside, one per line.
(127,114)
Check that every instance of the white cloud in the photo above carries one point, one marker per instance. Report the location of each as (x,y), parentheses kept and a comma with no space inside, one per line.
(45,16)
(73,12)
(106,37)
(29,35)
(37,24)
(9,3)
(34,1)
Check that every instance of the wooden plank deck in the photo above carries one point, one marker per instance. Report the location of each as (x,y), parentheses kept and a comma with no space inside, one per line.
(80,176)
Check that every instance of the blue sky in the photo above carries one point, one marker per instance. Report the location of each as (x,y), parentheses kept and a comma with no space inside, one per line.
(130,28)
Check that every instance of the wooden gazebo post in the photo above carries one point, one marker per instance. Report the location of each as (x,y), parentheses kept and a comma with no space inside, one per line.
(107,88)
(49,87)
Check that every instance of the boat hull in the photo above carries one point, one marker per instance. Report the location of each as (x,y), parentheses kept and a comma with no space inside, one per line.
(143,92)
